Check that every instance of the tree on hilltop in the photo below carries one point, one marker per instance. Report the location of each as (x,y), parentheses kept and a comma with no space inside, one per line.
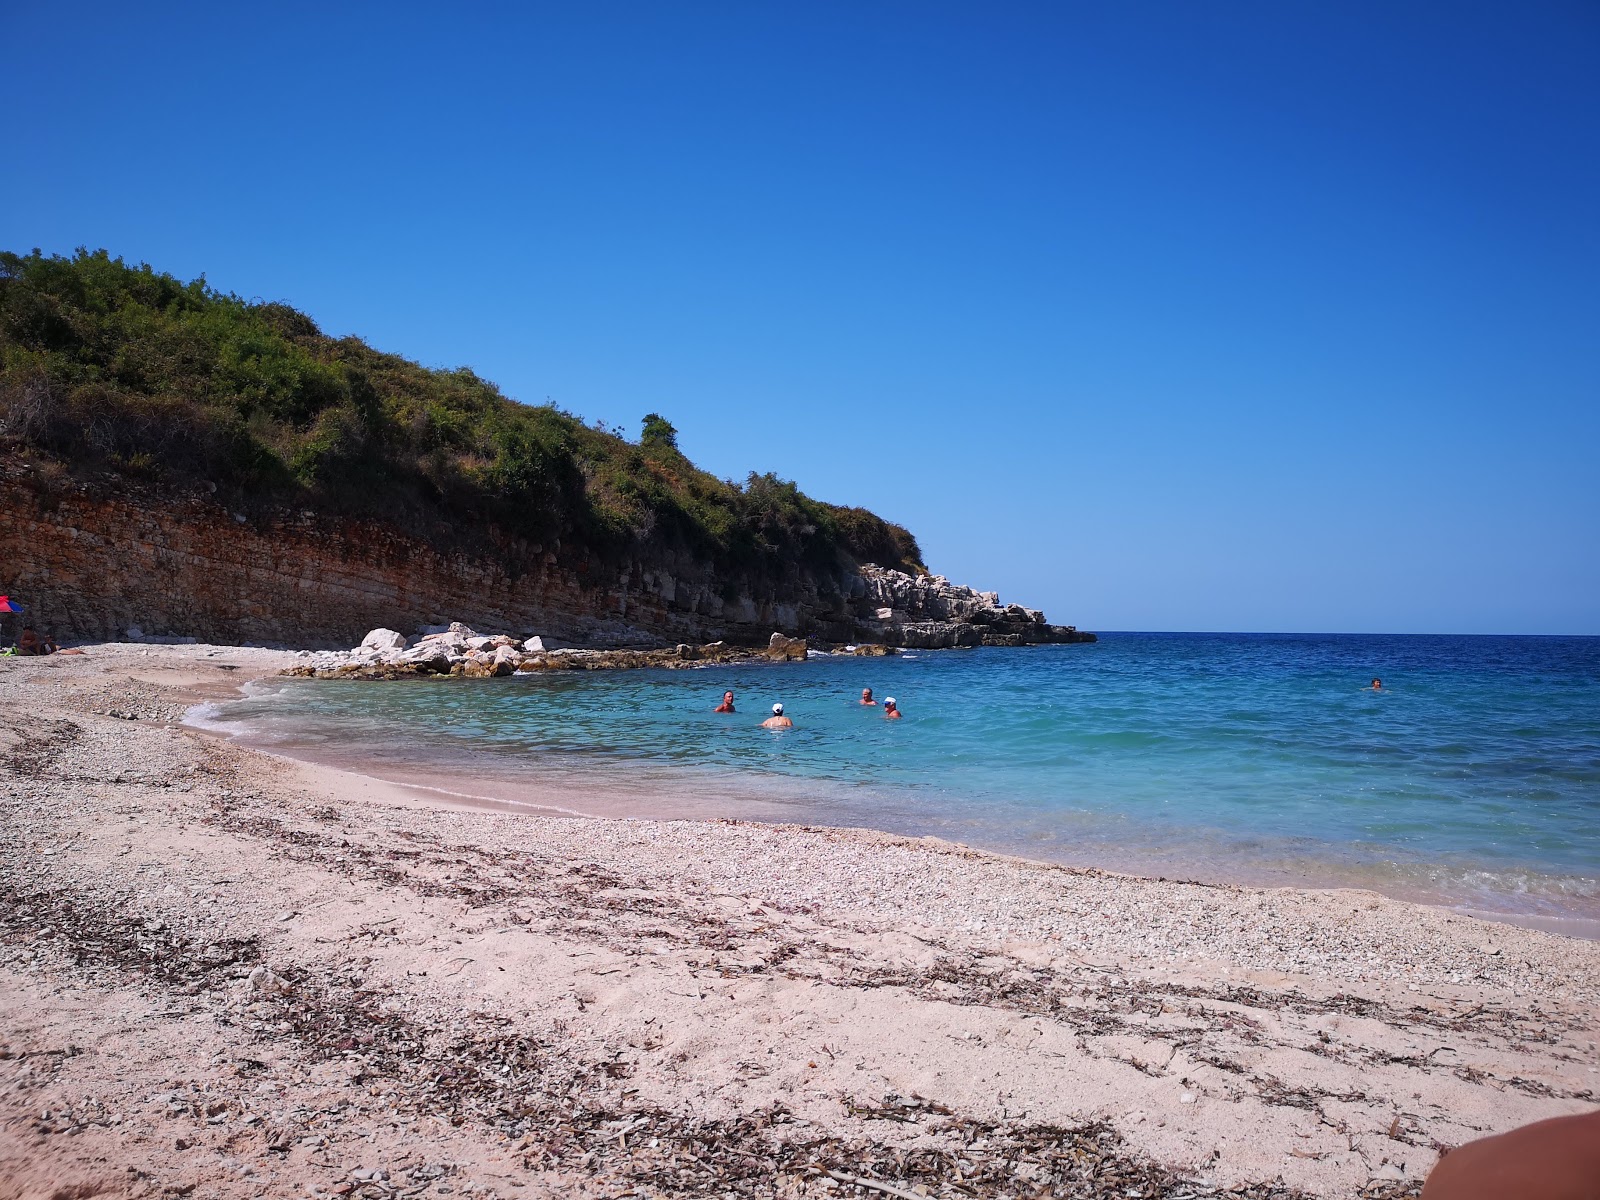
(658,431)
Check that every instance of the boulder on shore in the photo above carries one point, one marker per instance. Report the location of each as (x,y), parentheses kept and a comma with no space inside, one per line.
(970,619)
(383,640)
(427,656)
(453,644)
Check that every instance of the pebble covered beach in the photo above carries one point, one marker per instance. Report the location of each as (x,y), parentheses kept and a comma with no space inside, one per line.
(227,974)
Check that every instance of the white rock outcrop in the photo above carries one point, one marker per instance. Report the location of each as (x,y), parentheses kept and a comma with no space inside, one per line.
(383,640)
(930,612)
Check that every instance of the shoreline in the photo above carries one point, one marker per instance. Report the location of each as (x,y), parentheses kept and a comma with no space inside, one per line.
(679,793)
(410,784)
(276,965)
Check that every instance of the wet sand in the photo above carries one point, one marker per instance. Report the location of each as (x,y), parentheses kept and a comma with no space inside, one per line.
(226,974)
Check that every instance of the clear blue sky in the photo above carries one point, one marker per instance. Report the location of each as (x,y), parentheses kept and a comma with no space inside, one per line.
(1248,316)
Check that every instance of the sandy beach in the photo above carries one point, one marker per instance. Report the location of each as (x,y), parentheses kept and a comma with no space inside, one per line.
(226,974)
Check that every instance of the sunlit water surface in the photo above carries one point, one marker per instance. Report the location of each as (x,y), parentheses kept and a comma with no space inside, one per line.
(1472,778)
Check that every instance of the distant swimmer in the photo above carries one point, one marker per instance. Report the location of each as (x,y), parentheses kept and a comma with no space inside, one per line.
(866,697)
(890,711)
(777,720)
(727,703)
(1377,686)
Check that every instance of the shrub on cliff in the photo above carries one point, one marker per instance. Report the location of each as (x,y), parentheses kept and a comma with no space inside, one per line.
(104,366)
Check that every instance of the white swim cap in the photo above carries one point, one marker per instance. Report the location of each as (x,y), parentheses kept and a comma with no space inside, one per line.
(888,700)
(777,710)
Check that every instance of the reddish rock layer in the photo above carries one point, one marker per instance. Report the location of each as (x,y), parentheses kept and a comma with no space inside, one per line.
(93,562)
(106,560)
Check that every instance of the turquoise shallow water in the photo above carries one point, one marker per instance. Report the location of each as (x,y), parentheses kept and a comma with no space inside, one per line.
(1473,778)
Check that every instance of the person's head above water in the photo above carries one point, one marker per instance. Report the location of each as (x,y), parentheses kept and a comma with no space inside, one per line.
(727,702)
(866,696)
(777,710)
(1377,685)
(889,708)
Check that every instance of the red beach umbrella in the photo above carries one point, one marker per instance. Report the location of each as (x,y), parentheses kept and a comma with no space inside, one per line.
(7,604)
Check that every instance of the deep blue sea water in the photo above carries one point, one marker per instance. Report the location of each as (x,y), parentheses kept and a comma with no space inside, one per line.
(1472,778)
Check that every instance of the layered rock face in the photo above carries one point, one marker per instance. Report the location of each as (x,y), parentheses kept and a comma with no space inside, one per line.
(99,561)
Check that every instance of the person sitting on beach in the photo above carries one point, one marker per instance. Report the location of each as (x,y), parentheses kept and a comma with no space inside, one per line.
(866,698)
(890,711)
(777,720)
(28,641)
(727,703)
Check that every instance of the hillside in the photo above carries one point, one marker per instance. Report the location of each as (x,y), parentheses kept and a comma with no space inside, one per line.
(184,460)
(131,370)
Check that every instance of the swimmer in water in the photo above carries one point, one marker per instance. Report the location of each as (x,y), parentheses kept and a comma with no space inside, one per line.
(1377,686)
(890,711)
(727,703)
(777,720)
(866,698)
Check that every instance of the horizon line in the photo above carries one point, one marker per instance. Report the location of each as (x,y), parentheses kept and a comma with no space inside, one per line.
(1325,633)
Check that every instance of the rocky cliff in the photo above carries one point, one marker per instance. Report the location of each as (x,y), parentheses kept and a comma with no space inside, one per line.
(930,612)
(104,558)
(185,462)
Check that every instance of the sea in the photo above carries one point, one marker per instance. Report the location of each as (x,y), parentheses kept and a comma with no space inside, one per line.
(1471,779)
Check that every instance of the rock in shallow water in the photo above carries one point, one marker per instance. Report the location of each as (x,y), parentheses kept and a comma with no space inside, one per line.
(786,648)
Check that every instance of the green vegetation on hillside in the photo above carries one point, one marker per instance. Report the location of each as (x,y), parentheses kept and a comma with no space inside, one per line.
(108,366)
